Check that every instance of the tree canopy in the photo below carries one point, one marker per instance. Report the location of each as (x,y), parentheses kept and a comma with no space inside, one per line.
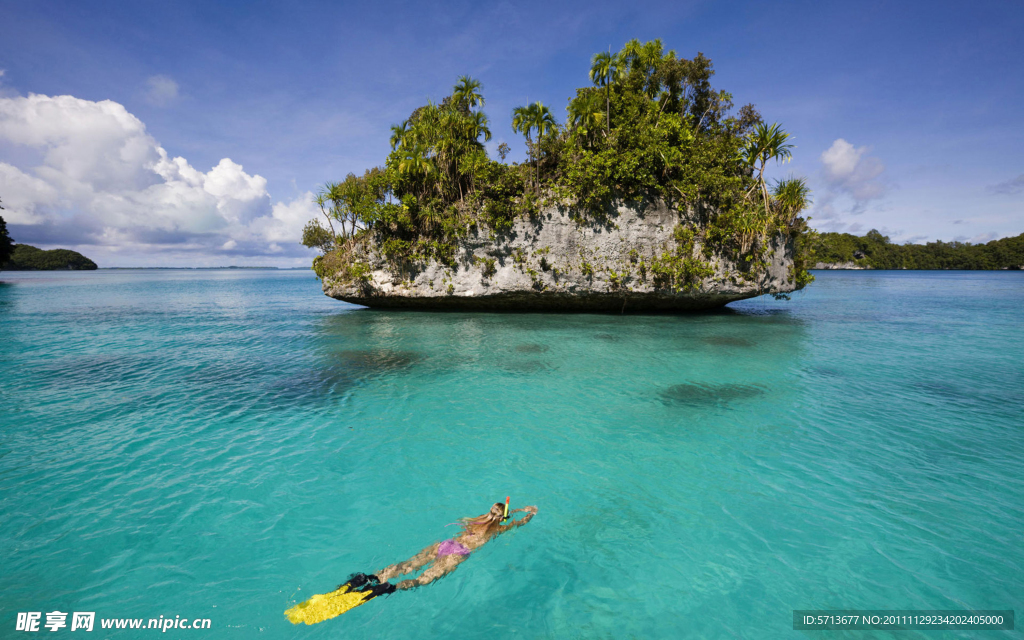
(650,128)
(875,250)
(28,258)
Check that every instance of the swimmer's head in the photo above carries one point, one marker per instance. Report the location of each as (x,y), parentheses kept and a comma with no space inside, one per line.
(484,522)
(498,510)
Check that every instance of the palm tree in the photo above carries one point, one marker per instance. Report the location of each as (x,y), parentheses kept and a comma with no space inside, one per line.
(584,114)
(398,133)
(604,71)
(791,197)
(478,126)
(522,121)
(467,92)
(766,143)
(415,163)
(543,122)
(535,117)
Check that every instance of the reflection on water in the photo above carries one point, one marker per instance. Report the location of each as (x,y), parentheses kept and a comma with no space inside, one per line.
(246,439)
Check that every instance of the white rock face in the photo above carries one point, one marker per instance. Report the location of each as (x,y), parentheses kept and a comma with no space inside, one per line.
(552,263)
(839,265)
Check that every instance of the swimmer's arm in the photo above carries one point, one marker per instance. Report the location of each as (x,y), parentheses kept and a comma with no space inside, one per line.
(530,512)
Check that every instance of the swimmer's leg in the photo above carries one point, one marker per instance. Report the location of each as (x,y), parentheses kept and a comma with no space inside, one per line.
(442,567)
(412,564)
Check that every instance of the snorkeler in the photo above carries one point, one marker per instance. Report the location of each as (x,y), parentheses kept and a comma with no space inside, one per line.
(445,556)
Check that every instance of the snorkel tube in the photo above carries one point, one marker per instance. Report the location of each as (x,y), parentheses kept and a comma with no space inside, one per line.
(505,516)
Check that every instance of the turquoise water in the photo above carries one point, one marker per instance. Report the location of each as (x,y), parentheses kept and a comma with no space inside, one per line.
(223,444)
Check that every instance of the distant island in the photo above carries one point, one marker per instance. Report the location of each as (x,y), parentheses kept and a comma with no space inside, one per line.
(23,257)
(650,196)
(28,258)
(875,251)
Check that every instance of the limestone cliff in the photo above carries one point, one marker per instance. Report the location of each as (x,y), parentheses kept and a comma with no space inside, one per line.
(554,263)
(839,266)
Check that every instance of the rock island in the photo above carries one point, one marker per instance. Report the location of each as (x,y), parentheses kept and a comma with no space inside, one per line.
(650,196)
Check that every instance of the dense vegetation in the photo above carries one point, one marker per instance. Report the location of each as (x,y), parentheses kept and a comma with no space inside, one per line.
(651,128)
(876,251)
(6,244)
(28,258)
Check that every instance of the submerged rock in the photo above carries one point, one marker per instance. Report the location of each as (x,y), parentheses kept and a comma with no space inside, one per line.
(554,263)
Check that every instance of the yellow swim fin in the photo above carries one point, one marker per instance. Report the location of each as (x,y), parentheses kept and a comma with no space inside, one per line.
(324,606)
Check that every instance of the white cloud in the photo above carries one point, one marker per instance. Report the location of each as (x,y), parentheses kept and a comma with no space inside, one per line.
(287,219)
(26,199)
(98,178)
(161,91)
(853,180)
(849,169)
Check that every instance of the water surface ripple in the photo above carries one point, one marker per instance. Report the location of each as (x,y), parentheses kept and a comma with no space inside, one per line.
(223,444)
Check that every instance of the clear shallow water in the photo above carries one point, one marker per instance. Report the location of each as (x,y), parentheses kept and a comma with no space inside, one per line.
(223,444)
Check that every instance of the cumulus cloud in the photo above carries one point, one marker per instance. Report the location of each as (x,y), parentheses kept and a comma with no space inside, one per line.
(853,180)
(850,170)
(90,174)
(161,91)
(1009,187)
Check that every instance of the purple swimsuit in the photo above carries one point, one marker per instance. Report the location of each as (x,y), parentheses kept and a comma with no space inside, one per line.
(451,547)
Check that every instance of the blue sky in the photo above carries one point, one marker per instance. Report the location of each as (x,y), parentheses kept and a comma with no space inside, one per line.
(907,116)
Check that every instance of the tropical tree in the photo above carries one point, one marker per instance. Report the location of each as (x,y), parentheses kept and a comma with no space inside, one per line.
(604,71)
(791,196)
(467,92)
(322,200)
(478,126)
(315,236)
(585,114)
(643,60)
(6,244)
(398,133)
(535,117)
(766,143)
(413,163)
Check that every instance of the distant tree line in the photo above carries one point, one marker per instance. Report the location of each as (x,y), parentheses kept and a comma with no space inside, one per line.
(23,257)
(28,258)
(877,252)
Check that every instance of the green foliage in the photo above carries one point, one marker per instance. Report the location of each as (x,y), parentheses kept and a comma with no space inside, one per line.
(680,269)
(650,128)
(504,197)
(489,268)
(876,251)
(586,268)
(315,236)
(6,243)
(28,258)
